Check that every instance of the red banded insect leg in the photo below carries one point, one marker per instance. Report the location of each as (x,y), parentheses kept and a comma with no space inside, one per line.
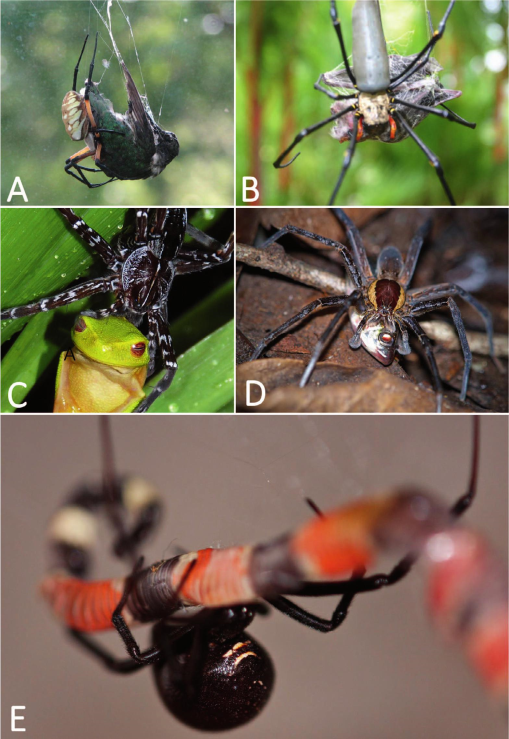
(220,577)
(467,594)
(82,605)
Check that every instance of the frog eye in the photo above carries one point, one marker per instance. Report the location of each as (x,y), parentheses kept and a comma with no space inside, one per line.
(80,325)
(138,350)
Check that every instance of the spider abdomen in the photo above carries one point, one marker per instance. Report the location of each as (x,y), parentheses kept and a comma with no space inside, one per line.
(386,294)
(234,685)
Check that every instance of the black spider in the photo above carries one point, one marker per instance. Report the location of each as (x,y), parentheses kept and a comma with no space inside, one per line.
(141,269)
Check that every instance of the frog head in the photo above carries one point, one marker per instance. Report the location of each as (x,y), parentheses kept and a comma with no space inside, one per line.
(113,341)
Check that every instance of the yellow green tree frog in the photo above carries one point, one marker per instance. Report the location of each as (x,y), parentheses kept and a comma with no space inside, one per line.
(106,369)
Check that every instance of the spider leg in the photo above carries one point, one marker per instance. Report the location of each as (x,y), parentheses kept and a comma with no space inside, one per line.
(324,338)
(449,289)
(72,164)
(437,35)
(92,287)
(346,161)
(337,27)
(350,263)
(152,347)
(458,118)
(76,68)
(123,666)
(432,158)
(355,240)
(94,240)
(319,303)
(460,328)
(205,240)
(414,250)
(447,114)
(306,132)
(324,625)
(159,324)
(193,260)
(428,348)
(329,93)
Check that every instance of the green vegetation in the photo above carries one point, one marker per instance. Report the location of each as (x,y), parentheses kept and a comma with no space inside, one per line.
(188,73)
(282,47)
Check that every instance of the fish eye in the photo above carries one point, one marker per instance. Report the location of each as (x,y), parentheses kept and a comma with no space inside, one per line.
(138,350)
(386,338)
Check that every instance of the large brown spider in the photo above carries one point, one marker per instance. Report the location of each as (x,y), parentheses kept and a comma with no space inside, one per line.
(381,307)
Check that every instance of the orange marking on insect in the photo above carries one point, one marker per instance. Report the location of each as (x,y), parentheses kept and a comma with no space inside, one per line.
(219,577)
(243,656)
(82,153)
(393,127)
(339,542)
(360,129)
(90,115)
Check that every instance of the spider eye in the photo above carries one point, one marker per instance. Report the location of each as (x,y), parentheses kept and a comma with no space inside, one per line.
(386,339)
(138,350)
(80,325)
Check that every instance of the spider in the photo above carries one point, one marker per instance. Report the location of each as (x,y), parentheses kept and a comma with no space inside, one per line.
(141,269)
(381,307)
(124,147)
(389,91)
(209,672)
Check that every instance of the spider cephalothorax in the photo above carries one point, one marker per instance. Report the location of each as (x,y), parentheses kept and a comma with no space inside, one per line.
(124,147)
(381,307)
(385,97)
(140,272)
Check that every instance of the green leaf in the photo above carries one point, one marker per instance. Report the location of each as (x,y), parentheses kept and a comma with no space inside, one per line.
(204,381)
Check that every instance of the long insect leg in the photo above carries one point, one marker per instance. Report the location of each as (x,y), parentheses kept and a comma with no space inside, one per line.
(323,341)
(447,114)
(437,35)
(93,239)
(306,132)
(319,303)
(92,287)
(432,158)
(337,27)
(159,324)
(324,625)
(355,239)
(76,68)
(346,161)
(428,348)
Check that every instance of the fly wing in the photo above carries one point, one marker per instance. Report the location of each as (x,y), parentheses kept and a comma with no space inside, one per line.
(423,87)
(136,111)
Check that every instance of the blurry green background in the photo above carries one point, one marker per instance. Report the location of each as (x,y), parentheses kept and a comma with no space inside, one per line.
(186,55)
(282,47)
